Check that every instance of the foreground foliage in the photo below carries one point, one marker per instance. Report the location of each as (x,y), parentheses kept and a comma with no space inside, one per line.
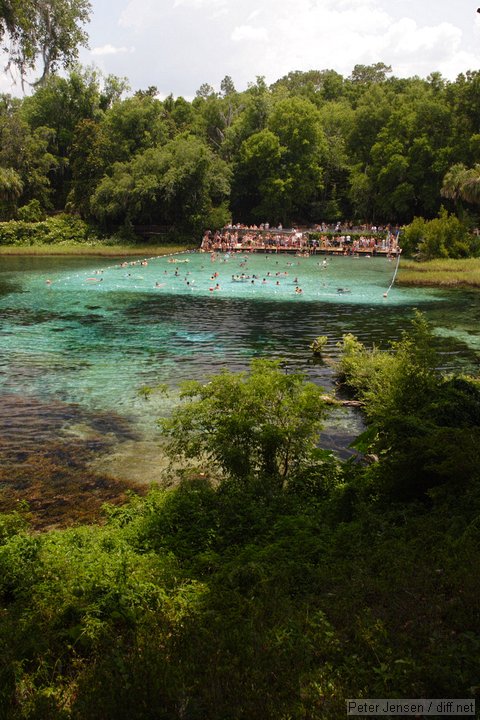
(242,599)
(265,423)
(425,426)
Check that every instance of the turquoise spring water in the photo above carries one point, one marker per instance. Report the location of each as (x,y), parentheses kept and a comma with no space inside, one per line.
(81,337)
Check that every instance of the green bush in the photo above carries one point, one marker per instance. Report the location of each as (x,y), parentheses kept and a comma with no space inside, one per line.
(424,426)
(55,230)
(263,424)
(443,237)
(227,603)
(31,212)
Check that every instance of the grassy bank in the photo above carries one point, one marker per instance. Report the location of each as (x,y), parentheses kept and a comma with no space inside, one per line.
(440,273)
(99,249)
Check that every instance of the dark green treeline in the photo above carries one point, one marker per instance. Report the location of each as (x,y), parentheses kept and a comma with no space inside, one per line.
(314,146)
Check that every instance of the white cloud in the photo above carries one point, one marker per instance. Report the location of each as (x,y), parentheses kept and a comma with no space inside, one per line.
(179,44)
(143,15)
(339,34)
(253,15)
(199,3)
(248,32)
(111,50)
(406,37)
(139,15)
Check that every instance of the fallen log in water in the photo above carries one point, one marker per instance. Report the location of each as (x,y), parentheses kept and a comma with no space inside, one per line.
(329,400)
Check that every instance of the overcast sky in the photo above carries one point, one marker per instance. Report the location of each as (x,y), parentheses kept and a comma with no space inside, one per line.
(179,44)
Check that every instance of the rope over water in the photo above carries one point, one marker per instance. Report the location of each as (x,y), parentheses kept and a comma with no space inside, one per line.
(128,262)
(385,294)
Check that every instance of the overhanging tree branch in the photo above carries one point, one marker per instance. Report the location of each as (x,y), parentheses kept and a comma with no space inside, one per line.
(50,30)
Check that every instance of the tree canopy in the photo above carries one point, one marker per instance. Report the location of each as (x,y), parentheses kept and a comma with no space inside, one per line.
(313,147)
(49,30)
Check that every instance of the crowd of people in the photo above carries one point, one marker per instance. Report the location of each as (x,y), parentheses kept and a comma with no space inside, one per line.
(326,239)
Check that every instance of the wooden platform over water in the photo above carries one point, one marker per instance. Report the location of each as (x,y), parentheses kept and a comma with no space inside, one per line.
(305,252)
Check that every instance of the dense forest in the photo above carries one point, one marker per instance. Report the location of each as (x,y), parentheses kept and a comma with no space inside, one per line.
(312,147)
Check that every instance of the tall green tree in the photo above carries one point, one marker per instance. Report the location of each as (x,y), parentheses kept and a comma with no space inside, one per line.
(370,74)
(333,202)
(296,123)
(371,114)
(258,191)
(134,125)
(27,151)
(314,85)
(49,30)
(89,161)
(179,184)
(62,104)
(11,188)
(290,153)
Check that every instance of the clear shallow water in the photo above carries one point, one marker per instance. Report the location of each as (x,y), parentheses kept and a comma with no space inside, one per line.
(76,350)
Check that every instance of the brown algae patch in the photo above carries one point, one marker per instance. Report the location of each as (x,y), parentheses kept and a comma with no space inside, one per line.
(47,459)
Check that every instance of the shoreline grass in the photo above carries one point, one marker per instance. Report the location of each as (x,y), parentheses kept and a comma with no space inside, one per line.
(97,249)
(440,273)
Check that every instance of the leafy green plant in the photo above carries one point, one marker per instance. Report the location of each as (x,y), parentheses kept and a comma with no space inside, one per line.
(318,344)
(54,230)
(263,423)
(31,212)
(443,237)
(422,424)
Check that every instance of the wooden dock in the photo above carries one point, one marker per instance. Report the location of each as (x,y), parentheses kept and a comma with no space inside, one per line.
(306,252)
